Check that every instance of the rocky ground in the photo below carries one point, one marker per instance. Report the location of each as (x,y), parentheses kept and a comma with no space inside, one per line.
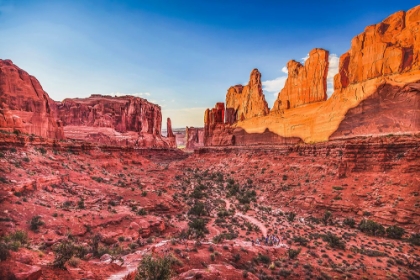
(112,207)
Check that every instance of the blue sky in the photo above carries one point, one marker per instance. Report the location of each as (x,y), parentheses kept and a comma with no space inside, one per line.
(182,55)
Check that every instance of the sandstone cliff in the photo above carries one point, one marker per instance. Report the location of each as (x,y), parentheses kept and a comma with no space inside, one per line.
(248,101)
(376,92)
(124,120)
(24,105)
(305,83)
(129,121)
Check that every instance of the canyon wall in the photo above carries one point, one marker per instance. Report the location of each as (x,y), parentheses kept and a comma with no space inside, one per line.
(24,106)
(376,92)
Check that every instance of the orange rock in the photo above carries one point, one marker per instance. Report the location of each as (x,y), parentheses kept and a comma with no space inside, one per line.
(386,48)
(305,83)
(248,101)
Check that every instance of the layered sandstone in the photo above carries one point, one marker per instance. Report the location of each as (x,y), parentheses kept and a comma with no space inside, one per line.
(24,105)
(376,92)
(124,120)
(305,83)
(245,102)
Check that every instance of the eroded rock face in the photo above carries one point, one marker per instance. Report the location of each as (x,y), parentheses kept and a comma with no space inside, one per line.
(389,47)
(124,120)
(24,105)
(305,83)
(399,112)
(376,92)
(244,102)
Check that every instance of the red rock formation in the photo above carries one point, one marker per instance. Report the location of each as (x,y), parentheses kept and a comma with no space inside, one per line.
(125,120)
(305,83)
(194,138)
(247,101)
(391,109)
(24,105)
(169,128)
(389,47)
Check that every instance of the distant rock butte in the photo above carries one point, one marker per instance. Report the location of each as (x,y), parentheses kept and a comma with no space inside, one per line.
(376,92)
(123,120)
(24,105)
(126,120)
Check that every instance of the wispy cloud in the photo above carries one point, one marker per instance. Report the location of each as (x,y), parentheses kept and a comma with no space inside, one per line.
(138,94)
(334,61)
(274,86)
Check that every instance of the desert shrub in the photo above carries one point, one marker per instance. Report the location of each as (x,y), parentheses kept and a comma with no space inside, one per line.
(372,228)
(292,253)
(265,259)
(334,241)
(35,223)
(81,203)
(395,232)
(94,243)
(327,217)
(4,251)
(198,209)
(42,150)
(415,239)
(349,222)
(198,228)
(64,251)
(285,273)
(291,216)
(301,240)
(229,236)
(19,236)
(97,179)
(154,268)
(74,261)
(142,212)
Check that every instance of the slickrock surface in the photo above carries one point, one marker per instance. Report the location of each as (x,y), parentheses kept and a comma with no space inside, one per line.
(305,83)
(24,105)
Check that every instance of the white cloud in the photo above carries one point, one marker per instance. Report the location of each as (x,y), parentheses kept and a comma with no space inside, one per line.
(284,70)
(274,85)
(137,94)
(305,58)
(334,61)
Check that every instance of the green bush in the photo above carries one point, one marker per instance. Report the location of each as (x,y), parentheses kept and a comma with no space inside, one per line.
(349,222)
(327,217)
(35,223)
(291,216)
(198,209)
(372,228)
(293,253)
(154,268)
(395,232)
(334,241)
(64,251)
(198,228)
(4,251)
(415,239)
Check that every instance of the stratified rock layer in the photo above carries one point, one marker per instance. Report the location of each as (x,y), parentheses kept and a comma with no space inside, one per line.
(305,83)
(24,105)
(124,120)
